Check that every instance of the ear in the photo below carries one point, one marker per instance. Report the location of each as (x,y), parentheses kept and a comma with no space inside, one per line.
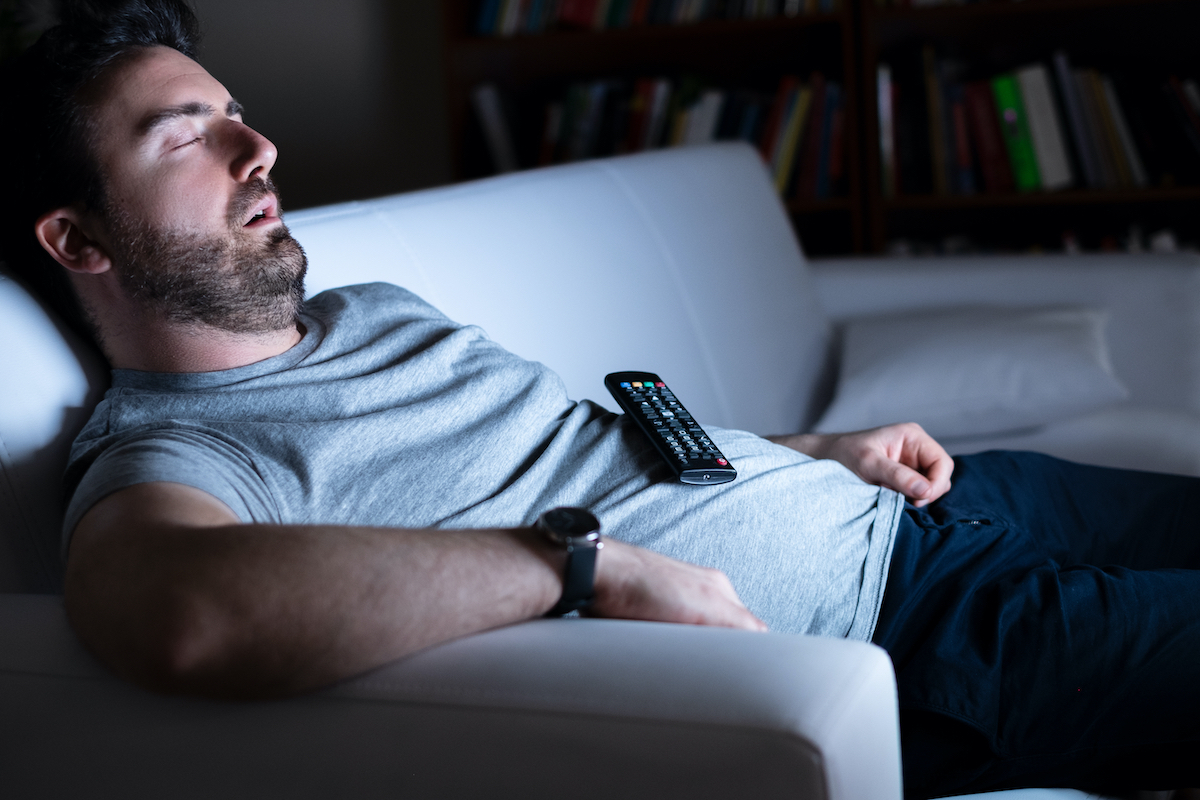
(61,232)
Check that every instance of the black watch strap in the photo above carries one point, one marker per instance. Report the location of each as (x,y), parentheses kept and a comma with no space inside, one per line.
(577,531)
(579,577)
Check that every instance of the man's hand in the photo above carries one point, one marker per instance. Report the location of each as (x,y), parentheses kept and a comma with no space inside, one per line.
(634,583)
(901,457)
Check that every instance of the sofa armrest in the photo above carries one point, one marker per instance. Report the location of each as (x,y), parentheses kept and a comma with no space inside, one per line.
(607,708)
(1153,302)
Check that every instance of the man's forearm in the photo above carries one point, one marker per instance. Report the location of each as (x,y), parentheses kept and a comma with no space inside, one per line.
(262,609)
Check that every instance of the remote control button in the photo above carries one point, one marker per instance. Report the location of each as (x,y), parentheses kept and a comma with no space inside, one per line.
(722,462)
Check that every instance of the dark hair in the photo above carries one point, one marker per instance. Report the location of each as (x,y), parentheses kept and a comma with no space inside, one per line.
(45,156)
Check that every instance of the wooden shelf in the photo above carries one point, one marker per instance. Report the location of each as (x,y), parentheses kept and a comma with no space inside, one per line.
(1064,198)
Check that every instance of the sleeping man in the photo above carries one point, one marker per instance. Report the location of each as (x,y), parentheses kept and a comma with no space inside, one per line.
(277,493)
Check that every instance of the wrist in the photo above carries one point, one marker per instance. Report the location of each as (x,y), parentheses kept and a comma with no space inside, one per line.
(815,445)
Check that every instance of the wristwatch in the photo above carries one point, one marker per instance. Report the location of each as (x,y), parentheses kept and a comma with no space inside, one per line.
(577,531)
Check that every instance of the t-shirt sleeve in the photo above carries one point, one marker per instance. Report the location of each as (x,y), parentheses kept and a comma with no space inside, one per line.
(202,459)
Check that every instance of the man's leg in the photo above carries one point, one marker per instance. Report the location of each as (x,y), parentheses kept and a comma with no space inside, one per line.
(1044,619)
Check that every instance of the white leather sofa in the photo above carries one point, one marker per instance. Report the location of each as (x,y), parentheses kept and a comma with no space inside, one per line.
(680,262)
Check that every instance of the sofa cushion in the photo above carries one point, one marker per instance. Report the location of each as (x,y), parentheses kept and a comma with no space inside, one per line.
(51,383)
(972,371)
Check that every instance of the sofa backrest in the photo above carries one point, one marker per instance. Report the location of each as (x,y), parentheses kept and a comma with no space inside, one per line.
(679,262)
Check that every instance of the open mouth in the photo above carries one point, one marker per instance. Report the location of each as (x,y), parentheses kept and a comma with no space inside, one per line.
(266,208)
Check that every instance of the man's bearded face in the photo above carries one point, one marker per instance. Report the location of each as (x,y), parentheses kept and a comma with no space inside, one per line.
(242,281)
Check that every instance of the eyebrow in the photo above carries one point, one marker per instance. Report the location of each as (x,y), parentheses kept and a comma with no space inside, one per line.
(194,109)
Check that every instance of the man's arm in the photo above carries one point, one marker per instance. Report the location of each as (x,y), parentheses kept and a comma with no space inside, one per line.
(901,457)
(168,587)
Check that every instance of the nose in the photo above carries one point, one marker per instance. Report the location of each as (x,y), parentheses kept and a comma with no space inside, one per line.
(254,155)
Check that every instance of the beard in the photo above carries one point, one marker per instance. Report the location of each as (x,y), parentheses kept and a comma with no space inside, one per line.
(241,282)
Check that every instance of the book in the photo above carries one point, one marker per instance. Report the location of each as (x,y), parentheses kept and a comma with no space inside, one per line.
(1108,131)
(1014,129)
(964,159)
(1085,147)
(496,131)
(788,143)
(660,104)
(1124,134)
(887,130)
(703,117)
(1045,127)
(939,152)
(775,119)
(1095,126)
(986,138)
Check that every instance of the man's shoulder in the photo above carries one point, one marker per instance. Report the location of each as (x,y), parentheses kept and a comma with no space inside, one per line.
(376,299)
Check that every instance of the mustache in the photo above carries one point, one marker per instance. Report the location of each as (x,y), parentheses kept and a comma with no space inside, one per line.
(250,193)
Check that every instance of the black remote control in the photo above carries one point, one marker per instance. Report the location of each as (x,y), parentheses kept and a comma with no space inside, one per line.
(677,436)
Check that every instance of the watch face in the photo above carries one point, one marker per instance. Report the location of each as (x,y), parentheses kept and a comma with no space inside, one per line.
(570,523)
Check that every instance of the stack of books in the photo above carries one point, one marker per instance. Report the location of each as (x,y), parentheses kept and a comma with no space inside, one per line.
(510,17)
(799,129)
(1043,127)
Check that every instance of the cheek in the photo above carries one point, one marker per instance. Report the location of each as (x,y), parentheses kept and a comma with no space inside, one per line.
(179,200)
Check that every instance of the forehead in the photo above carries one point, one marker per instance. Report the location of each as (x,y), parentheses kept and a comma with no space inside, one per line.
(132,92)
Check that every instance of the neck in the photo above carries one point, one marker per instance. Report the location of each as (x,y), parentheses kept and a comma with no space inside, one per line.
(169,347)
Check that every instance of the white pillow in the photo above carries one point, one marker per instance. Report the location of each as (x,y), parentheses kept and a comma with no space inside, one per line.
(971,372)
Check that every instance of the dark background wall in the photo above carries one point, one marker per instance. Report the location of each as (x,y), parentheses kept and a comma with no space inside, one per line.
(350,91)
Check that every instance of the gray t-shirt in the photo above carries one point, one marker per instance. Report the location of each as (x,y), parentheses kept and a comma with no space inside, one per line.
(388,414)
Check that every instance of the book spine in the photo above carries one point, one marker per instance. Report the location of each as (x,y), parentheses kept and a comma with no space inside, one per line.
(1137,168)
(775,120)
(659,109)
(938,152)
(791,138)
(1045,128)
(1108,131)
(1014,127)
(496,133)
(887,130)
(1095,126)
(1084,146)
(964,172)
(989,144)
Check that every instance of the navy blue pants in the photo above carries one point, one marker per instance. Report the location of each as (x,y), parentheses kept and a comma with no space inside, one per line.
(1044,621)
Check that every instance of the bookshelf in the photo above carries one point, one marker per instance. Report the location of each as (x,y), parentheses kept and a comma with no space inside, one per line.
(1151,39)
(1146,39)
(533,71)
